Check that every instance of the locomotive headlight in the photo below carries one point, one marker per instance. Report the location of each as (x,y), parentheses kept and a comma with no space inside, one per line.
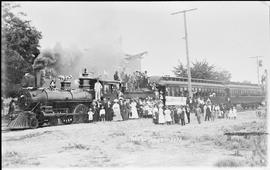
(22,100)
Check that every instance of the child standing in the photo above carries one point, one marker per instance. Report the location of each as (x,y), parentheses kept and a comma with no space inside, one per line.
(90,115)
(102,113)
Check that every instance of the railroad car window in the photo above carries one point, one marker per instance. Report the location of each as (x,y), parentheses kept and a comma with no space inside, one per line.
(175,91)
(172,91)
(106,88)
(167,91)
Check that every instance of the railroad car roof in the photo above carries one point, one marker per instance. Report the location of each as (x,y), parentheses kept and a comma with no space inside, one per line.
(175,80)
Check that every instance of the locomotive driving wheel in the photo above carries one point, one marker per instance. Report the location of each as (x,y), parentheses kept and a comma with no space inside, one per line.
(80,112)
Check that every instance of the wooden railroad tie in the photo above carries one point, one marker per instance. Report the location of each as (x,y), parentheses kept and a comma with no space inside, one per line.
(245,134)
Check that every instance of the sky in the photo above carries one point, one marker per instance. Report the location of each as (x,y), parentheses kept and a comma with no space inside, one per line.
(226,34)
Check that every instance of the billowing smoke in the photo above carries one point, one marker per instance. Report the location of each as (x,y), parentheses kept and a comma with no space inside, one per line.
(101,60)
(45,60)
(44,65)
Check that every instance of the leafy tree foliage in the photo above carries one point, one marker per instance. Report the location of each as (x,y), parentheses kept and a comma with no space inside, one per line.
(20,47)
(202,70)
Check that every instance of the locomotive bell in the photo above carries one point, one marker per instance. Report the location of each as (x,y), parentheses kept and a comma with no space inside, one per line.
(66,85)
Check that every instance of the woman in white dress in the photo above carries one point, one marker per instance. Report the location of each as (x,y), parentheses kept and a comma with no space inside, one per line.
(168,117)
(230,114)
(161,117)
(116,111)
(134,111)
(155,114)
(234,111)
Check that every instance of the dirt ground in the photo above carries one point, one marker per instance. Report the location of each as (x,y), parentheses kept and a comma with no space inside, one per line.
(127,143)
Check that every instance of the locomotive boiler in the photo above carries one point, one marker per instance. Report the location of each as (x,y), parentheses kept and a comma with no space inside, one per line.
(51,105)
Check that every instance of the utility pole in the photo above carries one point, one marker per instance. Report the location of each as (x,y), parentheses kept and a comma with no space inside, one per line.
(187,53)
(268,5)
(266,71)
(258,71)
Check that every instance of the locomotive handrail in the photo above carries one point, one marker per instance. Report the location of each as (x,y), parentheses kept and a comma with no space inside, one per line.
(35,107)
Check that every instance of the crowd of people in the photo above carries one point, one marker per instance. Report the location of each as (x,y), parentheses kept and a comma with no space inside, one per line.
(204,110)
(124,109)
(121,109)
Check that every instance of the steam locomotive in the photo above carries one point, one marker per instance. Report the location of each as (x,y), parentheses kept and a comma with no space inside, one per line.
(51,105)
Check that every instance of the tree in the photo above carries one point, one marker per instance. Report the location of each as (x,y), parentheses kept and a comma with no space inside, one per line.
(20,47)
(222,75)
(180,70)
(202,70)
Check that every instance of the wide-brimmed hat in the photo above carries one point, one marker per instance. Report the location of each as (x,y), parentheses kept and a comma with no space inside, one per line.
(115,100)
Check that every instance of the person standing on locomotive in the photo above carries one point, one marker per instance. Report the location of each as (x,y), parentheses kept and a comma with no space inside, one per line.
(97,89)
(52,85)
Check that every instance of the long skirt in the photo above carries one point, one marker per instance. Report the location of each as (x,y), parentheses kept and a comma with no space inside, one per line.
(199,117)
(176,118)
(117,116)
(161,118)
(134,113)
